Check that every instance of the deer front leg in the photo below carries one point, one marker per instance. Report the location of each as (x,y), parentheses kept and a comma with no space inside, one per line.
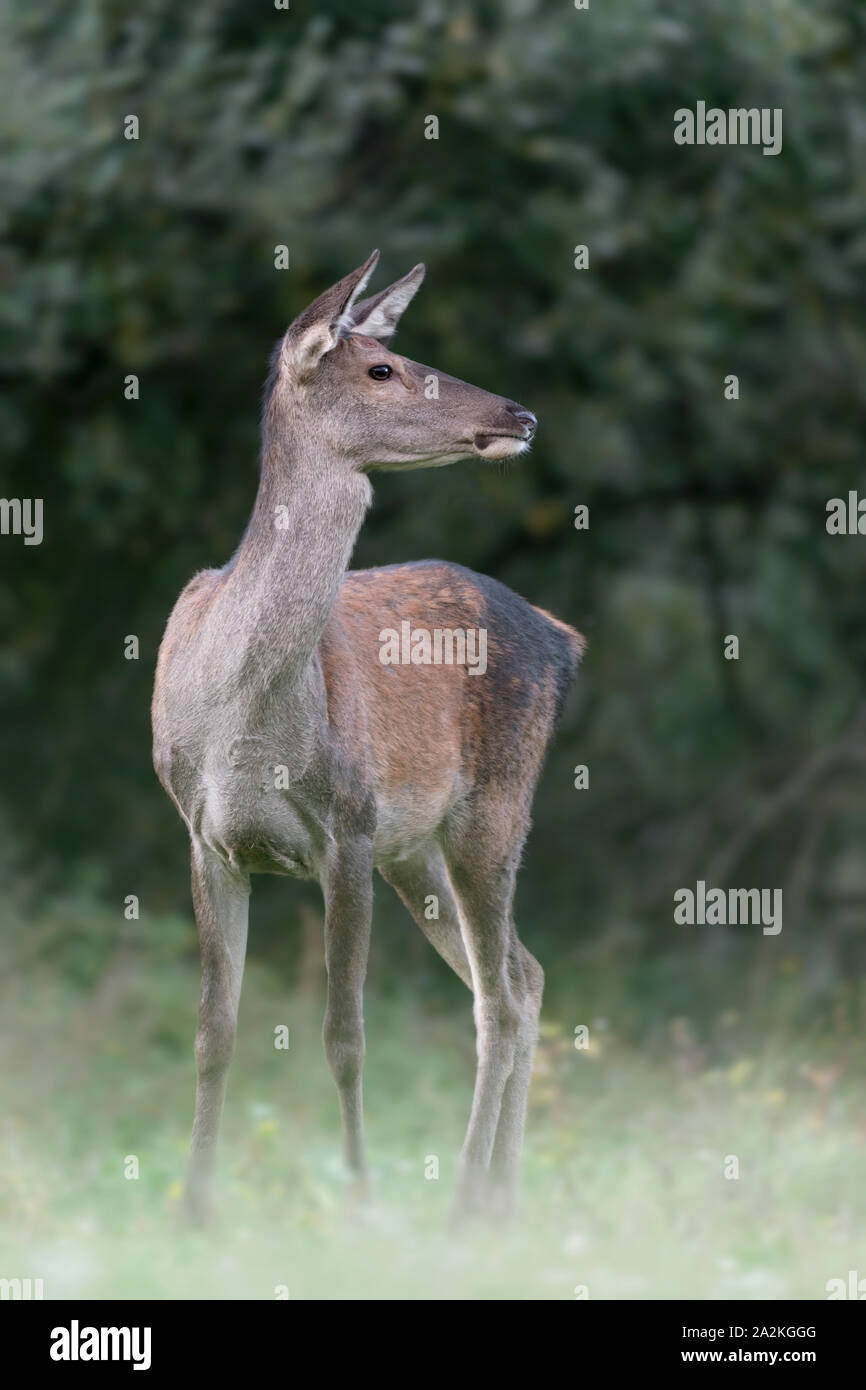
(348,891)
(221,901)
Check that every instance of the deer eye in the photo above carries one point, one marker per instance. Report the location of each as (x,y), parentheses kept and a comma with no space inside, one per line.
(380,373)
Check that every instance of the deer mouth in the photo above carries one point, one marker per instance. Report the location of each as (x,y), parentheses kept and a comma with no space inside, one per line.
(501,445)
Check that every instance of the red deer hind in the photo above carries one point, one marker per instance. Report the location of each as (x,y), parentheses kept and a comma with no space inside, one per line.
(289,746)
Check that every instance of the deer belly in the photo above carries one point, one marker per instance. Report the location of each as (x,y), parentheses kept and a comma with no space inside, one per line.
(407,819)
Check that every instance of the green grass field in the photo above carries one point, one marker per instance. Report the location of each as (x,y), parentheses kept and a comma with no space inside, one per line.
(625,1189)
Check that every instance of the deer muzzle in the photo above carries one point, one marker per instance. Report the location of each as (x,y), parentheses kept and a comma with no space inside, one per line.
(512,438)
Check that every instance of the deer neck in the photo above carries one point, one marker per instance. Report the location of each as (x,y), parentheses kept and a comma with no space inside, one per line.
(289,567)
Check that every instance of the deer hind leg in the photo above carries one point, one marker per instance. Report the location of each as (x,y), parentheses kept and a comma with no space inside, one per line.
(505,1163)
(348,890)
(418,878)
(221,902)
(415,879)
(485,888)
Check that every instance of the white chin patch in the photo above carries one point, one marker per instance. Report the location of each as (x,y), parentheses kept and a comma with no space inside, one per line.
(501,446)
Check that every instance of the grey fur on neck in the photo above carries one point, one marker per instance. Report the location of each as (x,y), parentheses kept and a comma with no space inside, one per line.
(283,580)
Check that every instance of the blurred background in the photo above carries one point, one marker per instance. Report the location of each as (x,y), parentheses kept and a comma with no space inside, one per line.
(155,257)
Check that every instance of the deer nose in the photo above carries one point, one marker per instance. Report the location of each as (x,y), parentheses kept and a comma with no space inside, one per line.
(524,418)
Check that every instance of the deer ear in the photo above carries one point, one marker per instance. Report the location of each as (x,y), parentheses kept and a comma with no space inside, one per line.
(378,316)
(317,330)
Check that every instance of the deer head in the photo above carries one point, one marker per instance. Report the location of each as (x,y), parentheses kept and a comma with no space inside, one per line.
(335,379)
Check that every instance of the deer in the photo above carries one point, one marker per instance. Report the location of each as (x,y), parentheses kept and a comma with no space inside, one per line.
(288,746)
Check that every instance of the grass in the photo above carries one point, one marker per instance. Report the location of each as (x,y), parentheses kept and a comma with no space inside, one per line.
(625,1190)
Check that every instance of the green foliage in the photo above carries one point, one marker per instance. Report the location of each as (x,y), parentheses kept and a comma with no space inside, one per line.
(306,127)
